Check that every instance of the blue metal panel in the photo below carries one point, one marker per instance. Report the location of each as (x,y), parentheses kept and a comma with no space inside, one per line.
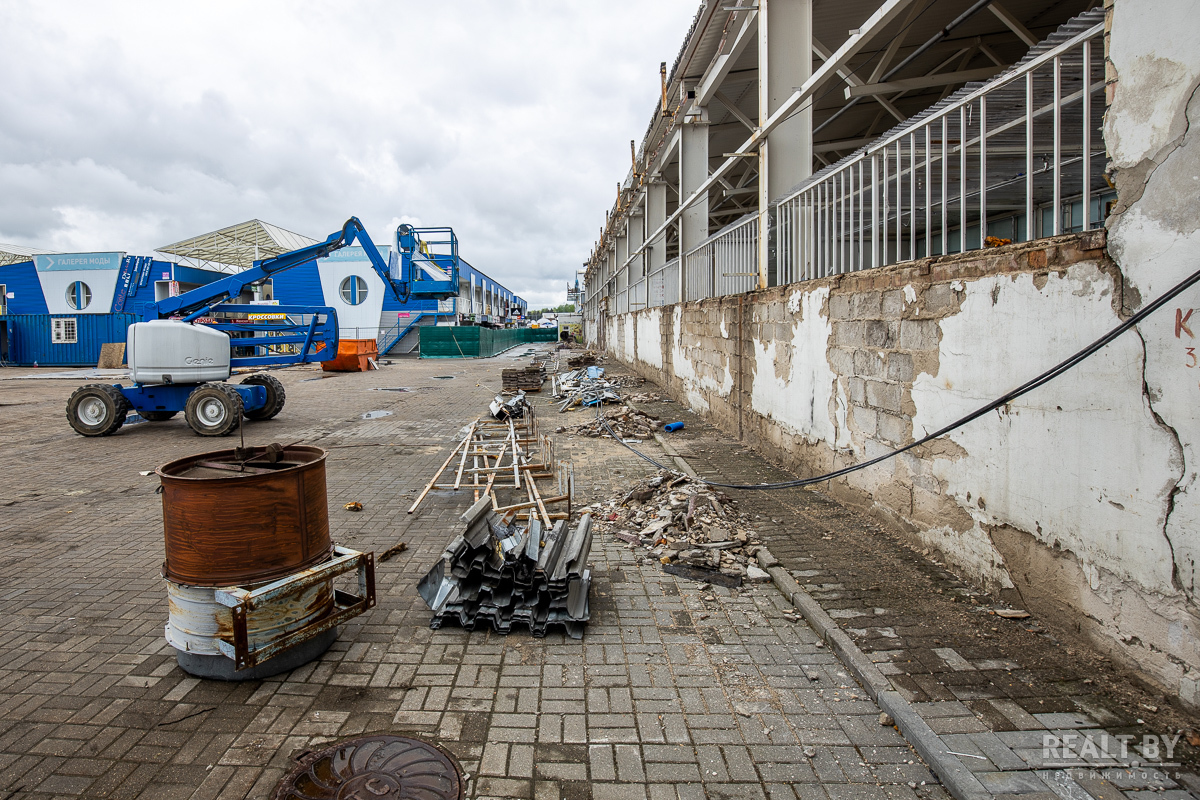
(187,274)
(31,338)
(22,282)
(300,286)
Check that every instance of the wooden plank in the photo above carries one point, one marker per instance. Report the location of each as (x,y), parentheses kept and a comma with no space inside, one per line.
(463,461)
(437,475)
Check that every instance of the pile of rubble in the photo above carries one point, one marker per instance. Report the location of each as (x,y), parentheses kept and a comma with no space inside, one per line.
(501,574)
(626,422)
(692,529)
(587,387)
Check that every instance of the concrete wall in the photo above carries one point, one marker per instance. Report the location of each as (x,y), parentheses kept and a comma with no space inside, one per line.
(1080,499)
(1069,498)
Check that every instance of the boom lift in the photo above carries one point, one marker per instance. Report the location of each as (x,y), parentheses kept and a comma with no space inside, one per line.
(187,347)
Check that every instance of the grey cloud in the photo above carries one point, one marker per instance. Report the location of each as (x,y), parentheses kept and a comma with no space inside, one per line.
(127,126)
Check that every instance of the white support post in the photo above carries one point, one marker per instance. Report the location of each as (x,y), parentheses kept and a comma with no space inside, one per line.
(784,63)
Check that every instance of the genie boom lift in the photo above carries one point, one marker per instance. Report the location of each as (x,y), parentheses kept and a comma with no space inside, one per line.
(185,350)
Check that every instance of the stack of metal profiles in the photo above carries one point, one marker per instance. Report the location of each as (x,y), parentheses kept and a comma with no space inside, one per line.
(501,574)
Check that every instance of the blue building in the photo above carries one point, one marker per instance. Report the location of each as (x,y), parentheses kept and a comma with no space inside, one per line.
(60,308)
(367,309)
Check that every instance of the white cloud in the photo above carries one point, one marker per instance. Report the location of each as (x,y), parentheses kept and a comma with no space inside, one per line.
(125,126)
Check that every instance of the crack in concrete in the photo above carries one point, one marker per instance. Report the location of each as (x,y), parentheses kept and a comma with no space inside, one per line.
(1176,487)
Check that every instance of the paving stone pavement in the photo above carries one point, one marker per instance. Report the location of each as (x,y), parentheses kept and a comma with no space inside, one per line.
(995,696)
(669,695)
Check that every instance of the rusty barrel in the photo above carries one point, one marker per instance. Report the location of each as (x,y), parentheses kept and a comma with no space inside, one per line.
(235,519)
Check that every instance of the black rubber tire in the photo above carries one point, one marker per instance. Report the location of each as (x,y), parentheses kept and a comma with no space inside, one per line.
(275,395)
(97,409)
(156,416)
(215,409)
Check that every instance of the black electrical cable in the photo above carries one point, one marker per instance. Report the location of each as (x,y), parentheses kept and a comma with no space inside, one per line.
(1024,388)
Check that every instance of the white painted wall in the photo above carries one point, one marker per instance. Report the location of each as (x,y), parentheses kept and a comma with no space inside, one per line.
(795,389)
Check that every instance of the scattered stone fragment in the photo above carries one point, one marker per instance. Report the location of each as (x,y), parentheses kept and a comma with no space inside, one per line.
(885,719)
(756,575)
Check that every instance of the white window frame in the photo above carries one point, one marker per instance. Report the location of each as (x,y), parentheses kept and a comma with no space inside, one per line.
(64,330)
(358,295)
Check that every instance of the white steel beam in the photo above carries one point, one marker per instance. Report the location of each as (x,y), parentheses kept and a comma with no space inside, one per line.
(921,82)
(822,52)
(717,71)
(720,97)
(874,25)
(1013,24)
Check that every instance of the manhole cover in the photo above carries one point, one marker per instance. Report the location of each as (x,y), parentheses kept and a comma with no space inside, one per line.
(376,414)
(376,767)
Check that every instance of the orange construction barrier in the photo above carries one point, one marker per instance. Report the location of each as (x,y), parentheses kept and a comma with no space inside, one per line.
(352,356)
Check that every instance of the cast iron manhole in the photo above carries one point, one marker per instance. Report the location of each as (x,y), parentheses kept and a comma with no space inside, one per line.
(376,767)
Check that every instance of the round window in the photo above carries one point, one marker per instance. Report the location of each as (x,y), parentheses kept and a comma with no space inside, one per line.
(354,290)
(79,296)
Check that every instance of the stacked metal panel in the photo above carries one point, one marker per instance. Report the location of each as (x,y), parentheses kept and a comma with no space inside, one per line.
(501,574)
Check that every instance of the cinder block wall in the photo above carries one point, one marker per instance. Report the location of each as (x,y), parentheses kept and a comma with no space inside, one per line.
(1059,499)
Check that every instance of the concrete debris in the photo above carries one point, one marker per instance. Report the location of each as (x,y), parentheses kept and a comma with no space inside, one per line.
(584,359)
(502,574)
(627,422)
(511,408)
(680,521)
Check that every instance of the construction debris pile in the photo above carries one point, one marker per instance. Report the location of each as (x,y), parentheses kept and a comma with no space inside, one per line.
(692,529)
(529,379)
(625,421)
(500,574)
(584,359)
(587,387)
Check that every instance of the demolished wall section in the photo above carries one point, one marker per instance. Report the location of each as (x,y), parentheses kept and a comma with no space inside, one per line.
(1062,497)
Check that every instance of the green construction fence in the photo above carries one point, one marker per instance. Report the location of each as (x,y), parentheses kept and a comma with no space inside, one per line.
(470,341)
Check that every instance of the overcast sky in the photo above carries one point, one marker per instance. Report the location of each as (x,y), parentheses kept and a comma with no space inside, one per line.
(127,126)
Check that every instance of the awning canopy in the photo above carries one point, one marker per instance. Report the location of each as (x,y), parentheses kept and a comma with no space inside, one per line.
(15,254)
(236,247)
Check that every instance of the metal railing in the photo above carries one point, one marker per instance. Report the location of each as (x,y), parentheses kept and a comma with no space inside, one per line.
(725,263)
(1018,158)
(1015,159)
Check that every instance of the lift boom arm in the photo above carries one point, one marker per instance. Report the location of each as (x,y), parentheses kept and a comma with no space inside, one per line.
(200,301)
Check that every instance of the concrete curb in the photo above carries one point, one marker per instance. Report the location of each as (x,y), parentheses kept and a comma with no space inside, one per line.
(958,780)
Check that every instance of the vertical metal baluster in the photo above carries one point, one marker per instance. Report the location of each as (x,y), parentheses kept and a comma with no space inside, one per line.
(899,200)
(874,212)
(885,203)
(962,179)
(982,169)
(1030,225)
(1087,134)
(928,190)
(912,196)
(946,134)
(1057,146)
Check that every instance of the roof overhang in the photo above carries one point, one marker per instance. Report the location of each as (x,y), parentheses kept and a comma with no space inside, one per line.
(15,254)
(236,247)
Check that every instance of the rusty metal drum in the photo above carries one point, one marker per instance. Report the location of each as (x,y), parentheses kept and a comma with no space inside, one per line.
(235,518)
